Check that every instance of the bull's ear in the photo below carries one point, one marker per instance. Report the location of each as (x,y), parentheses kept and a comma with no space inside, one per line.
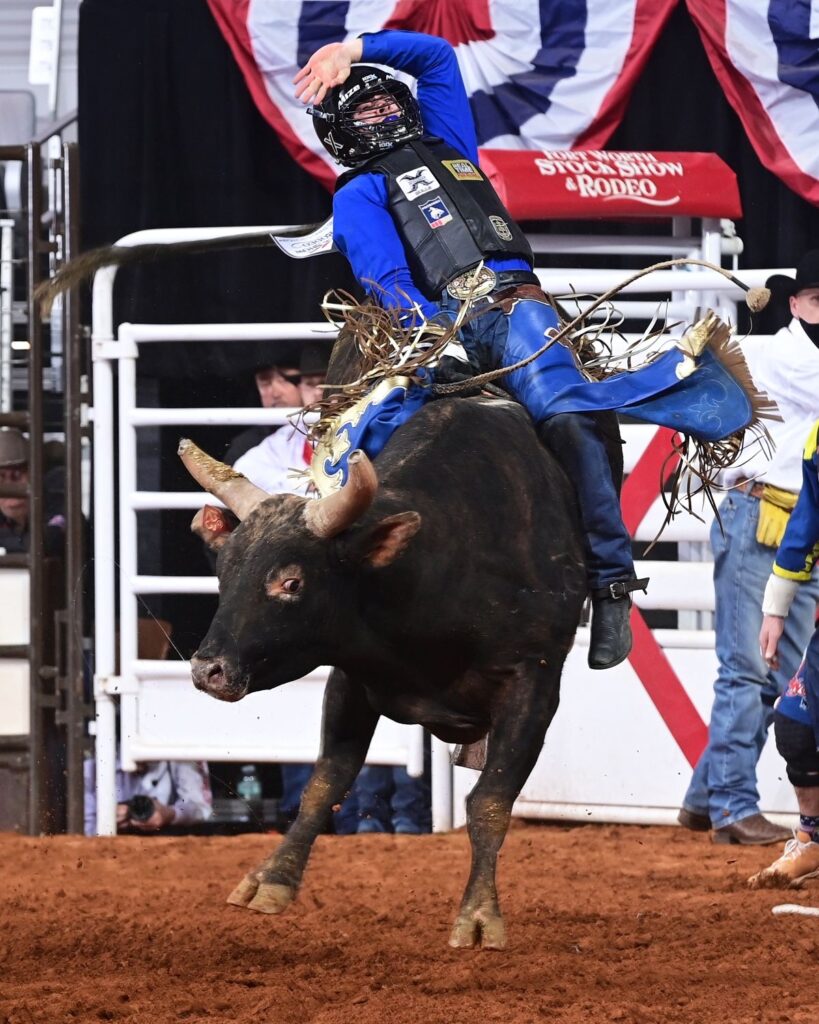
(214,525)
(379,544)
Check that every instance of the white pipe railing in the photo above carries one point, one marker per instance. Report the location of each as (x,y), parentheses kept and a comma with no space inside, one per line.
(143,501)
(683,244)
(206,417)
(128,596)
(6,305)
(171,584)
(102,335)
(301,331)
(559,280)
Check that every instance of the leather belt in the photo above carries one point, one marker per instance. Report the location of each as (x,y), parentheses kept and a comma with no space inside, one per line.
(483,282)
(509,277)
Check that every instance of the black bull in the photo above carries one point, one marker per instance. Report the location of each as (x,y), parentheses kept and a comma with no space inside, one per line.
(447,595)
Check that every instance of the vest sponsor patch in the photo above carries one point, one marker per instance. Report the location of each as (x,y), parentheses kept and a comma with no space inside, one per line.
(463,170)
(501,228)
(436,212)
(417,182)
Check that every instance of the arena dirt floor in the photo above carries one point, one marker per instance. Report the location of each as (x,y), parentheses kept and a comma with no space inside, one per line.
(605,923)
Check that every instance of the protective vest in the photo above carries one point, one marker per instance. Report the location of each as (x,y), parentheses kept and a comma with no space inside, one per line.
(447,214)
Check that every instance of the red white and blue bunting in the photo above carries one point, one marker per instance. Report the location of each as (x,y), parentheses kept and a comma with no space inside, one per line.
(541,74)
(553,74)
(765,54)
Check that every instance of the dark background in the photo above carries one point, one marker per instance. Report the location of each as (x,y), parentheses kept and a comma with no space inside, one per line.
(169,136)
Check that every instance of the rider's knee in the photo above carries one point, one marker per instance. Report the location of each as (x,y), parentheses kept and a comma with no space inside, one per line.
(796,742)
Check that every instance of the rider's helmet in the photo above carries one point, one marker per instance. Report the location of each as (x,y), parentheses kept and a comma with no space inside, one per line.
(352,135)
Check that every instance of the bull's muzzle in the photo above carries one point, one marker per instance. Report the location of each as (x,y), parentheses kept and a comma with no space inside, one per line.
(213,676)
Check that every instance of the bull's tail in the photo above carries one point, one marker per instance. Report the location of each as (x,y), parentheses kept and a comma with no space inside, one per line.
(86,265)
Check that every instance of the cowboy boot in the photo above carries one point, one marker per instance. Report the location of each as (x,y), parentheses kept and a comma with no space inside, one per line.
(610,642)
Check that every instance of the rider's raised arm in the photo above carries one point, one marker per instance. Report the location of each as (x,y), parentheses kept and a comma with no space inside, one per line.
(441,94)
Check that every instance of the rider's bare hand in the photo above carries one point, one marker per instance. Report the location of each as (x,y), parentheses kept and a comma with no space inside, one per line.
(327,68)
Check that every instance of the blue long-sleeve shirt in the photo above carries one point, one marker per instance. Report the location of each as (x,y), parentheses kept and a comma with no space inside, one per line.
(363,228)
(800,544)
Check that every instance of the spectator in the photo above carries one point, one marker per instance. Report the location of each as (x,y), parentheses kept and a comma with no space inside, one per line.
(277,384)
(723,791)
(275,462)
(15,528)
(179,791)
(796,716)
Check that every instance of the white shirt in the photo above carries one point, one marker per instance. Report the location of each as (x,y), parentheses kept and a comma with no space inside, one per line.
(181,785)
(786,367)
(272,465)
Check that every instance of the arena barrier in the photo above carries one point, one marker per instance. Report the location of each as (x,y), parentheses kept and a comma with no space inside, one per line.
(620,748)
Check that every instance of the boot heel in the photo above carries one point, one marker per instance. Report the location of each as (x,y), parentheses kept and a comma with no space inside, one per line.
(723,839)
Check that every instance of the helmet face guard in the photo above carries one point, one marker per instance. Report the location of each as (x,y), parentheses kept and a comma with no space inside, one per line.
(371,113)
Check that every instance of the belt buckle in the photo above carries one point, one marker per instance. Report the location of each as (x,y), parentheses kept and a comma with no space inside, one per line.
(474,284)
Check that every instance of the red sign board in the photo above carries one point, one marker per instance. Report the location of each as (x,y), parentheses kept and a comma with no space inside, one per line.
(604,184)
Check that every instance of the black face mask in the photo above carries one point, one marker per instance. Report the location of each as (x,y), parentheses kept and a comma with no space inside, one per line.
(812,331)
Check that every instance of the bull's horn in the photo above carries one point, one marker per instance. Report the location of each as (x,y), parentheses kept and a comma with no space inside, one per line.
(223,482)
(328,516)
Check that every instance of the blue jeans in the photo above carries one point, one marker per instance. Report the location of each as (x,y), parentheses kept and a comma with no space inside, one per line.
(724,784)
(294,778)
(390,800)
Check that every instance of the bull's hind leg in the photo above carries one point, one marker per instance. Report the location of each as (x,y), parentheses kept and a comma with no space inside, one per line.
(347,728)
(519,723)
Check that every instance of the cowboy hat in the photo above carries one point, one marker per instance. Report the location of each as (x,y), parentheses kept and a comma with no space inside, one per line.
(13,448)
(807,276)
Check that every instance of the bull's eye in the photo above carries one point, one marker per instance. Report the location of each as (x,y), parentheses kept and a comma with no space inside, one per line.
(285,583)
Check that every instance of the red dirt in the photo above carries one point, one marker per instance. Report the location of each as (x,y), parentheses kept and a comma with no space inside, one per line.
(605,923)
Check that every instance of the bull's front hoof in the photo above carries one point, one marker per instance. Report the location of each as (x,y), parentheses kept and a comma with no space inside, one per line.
(272,898)
(478,931)
(244,891)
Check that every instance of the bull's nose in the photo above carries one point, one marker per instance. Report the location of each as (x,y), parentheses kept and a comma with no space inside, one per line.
(208,673)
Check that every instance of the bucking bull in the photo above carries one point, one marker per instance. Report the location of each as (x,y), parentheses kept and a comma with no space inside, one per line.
(445,589)
(444,584)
